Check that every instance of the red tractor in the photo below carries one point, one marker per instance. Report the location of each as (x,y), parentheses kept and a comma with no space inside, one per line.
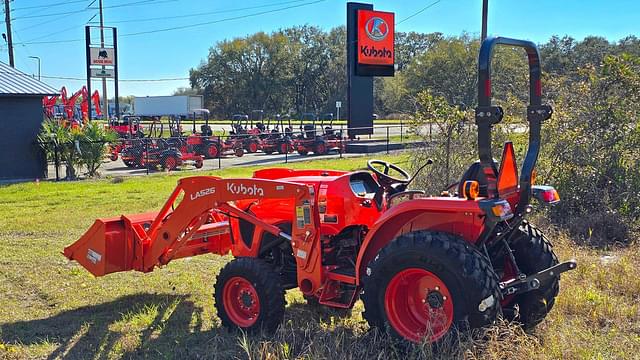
(318,141)
(206,144)
(424,267)
(278,139)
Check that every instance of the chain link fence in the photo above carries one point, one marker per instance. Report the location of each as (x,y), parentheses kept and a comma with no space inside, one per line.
(136,155)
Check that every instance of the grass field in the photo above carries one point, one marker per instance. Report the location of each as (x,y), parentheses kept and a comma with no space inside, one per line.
(52,308)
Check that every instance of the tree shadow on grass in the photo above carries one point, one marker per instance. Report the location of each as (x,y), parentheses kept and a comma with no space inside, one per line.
(93,331)
(162,326)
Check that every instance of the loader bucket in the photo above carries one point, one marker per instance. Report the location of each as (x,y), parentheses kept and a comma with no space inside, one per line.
(105,248)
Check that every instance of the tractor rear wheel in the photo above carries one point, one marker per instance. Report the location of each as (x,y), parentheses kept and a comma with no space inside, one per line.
(320,149)
(249,295)
(252,147)
(428,285)
(534,253)
(212,151)
(170,163)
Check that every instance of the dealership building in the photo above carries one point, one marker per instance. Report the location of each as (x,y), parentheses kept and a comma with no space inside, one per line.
(21,116)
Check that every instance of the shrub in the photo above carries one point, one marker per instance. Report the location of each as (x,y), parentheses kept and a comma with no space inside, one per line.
(75,147)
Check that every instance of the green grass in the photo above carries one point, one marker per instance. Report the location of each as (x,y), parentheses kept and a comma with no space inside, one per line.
(52,308)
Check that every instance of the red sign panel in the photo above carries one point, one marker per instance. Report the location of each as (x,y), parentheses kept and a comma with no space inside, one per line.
(375,37)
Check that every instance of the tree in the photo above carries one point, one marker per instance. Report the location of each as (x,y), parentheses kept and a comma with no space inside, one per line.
(186,91)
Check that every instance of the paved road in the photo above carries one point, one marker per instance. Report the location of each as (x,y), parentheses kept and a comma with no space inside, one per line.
(117,168)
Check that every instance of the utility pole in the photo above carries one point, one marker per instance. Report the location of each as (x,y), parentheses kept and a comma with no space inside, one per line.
(105,99)
(7,20)
(485,8)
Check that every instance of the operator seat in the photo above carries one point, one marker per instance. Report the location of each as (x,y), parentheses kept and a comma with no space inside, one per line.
(474,172)
(205,130)
(309,131)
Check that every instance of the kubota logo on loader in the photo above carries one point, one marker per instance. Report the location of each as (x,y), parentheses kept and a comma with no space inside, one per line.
(203,192)
(244,190)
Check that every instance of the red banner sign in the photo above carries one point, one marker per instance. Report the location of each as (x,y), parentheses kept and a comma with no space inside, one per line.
(375,37)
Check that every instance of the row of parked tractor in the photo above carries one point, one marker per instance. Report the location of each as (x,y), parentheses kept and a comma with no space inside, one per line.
(141,148)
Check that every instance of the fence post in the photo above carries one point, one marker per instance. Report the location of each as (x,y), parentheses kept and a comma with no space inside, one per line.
(220,146)
(56,160)
(387,139)
(146,155)
(401,131)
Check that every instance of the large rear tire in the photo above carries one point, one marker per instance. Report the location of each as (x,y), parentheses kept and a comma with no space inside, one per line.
(212,151)
(428,285)
(534,253)
(320,149)
(249,295)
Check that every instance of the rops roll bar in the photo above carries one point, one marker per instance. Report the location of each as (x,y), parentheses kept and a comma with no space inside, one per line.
(487,115)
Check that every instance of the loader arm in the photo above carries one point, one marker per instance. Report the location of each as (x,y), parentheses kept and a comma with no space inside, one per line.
(193,221)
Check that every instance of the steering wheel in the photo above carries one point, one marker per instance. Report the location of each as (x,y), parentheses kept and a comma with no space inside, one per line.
(384,178)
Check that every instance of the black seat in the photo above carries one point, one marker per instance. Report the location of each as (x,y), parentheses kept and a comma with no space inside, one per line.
(474,172)
(205,130)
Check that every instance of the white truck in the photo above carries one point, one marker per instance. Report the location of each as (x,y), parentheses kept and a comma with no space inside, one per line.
(167,105)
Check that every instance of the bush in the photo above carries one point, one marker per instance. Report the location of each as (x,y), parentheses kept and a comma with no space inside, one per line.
(75,147)
(591,152)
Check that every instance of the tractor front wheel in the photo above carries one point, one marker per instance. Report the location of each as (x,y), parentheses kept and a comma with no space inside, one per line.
(239,151)
(534,253)
(249,295)
(426,285)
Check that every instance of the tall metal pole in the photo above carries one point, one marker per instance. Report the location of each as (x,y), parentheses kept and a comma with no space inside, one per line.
(39,68)
(87,39)
(115,72)
(485,8)
(105,98)
(7,20)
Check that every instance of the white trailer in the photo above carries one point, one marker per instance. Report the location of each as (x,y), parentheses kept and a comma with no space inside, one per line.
(167,105)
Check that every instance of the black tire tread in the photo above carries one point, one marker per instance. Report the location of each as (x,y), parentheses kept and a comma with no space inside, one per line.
(533,253)
(446,248)
(266,282)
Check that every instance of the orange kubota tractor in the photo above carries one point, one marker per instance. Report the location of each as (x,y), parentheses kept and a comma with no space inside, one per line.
(423,266)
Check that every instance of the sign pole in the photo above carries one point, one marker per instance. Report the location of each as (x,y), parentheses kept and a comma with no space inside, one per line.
(115,71)
(87,38)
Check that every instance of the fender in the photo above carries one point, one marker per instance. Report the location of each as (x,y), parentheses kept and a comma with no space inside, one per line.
(460,217)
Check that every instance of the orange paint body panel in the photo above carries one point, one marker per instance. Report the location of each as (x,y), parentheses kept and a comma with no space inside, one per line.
(195,220)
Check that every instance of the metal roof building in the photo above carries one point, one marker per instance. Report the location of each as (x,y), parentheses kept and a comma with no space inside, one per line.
(21,117)
(16,83)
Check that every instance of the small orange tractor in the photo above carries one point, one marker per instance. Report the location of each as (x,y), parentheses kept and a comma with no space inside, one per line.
(423,266)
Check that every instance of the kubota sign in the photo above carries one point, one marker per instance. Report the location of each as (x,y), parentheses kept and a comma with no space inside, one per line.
(375,37)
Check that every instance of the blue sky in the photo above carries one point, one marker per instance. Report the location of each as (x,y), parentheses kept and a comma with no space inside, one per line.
(171,54)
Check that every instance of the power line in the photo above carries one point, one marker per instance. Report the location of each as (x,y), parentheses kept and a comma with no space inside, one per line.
(85,79)
(49,6)
(221,20)
(187,26)
(418,12)
(137,3)
(57,32)
(204,13)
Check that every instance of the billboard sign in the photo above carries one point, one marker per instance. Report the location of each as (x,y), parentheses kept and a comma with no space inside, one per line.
(102,56)
(376,38)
